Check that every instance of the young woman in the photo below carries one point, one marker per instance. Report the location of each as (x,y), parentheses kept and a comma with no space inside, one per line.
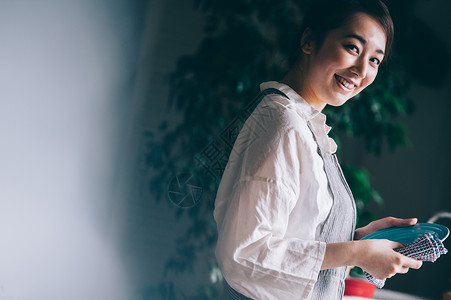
(285,214)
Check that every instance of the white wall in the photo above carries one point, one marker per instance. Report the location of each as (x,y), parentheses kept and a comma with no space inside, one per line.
(63,66)
(150,229)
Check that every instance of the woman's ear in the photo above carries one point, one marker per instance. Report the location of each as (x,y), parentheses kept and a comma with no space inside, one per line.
(307,41)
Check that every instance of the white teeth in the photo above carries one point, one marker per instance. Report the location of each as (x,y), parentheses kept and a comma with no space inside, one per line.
(345,82)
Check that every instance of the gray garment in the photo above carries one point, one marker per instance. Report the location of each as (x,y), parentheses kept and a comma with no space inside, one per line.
(230,294)
(338,227)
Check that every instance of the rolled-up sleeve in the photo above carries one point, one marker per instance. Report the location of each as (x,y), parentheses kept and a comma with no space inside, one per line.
(262,248)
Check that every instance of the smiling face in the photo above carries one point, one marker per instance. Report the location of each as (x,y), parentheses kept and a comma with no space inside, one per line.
(346,62)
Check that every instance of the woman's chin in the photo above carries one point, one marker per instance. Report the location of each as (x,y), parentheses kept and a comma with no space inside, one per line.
(337,102)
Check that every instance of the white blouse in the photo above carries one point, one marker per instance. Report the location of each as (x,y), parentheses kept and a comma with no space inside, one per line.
(273,199)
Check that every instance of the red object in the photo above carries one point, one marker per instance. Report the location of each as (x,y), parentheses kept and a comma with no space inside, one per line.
(359,287)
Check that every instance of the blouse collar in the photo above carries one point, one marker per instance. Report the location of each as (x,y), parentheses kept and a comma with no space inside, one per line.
(316,119)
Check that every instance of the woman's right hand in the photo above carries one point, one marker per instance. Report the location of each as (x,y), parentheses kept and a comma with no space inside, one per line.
(378,258)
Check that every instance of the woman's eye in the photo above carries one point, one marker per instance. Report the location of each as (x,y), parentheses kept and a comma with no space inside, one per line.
(353,48)
(375,61)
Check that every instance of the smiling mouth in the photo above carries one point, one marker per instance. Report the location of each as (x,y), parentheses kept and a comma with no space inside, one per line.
(344,82)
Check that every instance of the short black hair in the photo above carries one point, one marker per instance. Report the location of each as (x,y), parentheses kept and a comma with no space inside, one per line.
(325,15)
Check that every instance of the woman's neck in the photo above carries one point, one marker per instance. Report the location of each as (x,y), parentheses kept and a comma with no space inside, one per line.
(296,80)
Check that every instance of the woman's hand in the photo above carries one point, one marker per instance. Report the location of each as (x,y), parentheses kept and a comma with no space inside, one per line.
(378,258)
(382,224)
(375,256)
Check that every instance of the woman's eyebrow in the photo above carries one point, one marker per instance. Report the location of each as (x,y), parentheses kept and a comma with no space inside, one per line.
(362,40)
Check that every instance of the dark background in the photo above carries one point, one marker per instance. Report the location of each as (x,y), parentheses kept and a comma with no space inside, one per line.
(413,181)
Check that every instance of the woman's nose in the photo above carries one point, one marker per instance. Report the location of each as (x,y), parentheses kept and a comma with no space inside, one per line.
(360,68)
